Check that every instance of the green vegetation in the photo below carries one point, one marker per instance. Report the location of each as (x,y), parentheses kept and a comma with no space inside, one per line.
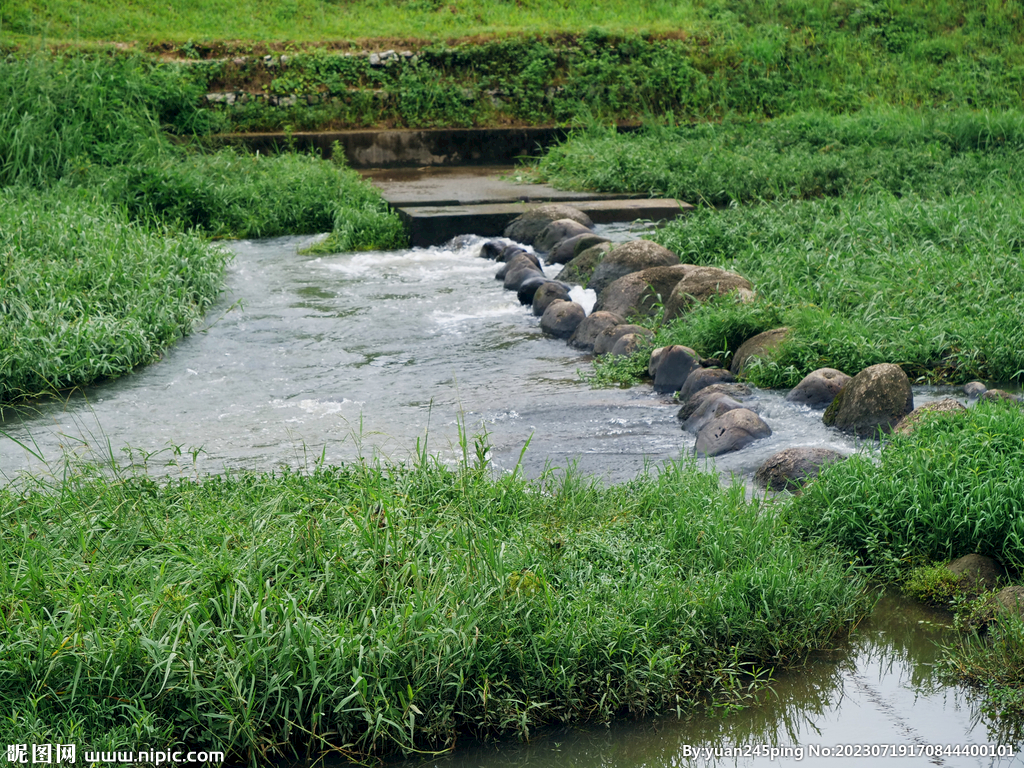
(952,487)
(883,237)
(86,294)
(102,264)
(371,609)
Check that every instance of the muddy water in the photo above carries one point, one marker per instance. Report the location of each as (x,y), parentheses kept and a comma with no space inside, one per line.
(365,354)
(881,692)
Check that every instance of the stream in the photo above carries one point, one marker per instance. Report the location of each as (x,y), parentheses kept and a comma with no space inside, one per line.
(386,354)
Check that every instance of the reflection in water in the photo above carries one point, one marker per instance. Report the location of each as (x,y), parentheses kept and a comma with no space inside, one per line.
(882,687)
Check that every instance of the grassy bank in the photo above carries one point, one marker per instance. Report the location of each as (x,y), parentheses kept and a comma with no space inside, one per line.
(953,487)
(373,609)
(880,237)
(104,253)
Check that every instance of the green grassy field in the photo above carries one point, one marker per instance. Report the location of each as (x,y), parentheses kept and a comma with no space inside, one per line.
(372,609)
(884,236)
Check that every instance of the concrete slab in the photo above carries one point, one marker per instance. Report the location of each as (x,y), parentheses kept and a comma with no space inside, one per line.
(433,225)
(436,204)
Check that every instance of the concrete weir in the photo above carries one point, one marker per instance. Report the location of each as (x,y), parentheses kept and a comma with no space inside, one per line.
(448,182)
(436,204)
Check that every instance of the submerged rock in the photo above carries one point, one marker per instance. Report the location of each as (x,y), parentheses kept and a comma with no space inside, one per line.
(974,389)
(874,400)
(730,432)
(710,408)
(701,378)
(694,401)
(788,470)
(818,388)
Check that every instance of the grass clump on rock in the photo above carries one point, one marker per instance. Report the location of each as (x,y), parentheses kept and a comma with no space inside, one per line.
(379,608)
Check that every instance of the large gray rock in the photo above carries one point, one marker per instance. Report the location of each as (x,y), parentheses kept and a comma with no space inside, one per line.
(693,402)
(710,408)
(788,470)
(818,388)
(588,331)
(561,319)
(700,284)
(492,249)
(630,257)
(676,363)
(974,389)
(639,293)
(581,268)
(760,346)
(657,355)
(517,274)
(568,249)
(547,293)
(556,232)
(529,287)
(730,432)
(525,228)
(874,400)
(701,378)
(605,341)
(909,423)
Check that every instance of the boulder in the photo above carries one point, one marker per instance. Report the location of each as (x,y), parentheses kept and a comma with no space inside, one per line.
(818,388)
(629,257)
(710,408)
(606,339)
(525,228)
(528,288)
(676,364)
(910,422)
(657,356)
(520,269)
(628,344)
(874,400)
(492,249)
(548,292)
(788,470)
(976,573)
(694,401)
(581,268)
(639,293)
(761,346)
(568,249)
(700,284)
(514,249)
(703,377)
(730,432)
(561,319)
(556,232)
(588,331)
(999,394)
(1009,600)
(974,389)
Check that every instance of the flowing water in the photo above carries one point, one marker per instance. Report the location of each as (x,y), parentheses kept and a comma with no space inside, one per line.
(377,353)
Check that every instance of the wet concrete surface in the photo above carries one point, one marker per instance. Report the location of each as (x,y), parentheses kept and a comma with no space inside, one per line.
(438,203)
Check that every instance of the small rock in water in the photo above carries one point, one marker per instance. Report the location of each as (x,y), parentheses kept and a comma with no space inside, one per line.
(730,432)
(561,319)
(974,389)
(788,470)
(818,388)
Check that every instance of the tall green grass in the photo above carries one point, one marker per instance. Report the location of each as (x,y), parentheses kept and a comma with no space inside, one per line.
(87,294)
(370,609)
(953,487)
